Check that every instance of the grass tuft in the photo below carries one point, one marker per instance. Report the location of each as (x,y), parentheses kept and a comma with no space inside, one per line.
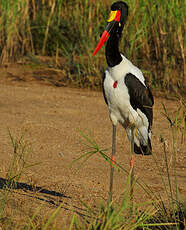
(153,37)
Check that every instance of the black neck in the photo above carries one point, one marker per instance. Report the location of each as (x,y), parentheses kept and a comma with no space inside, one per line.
(113,55)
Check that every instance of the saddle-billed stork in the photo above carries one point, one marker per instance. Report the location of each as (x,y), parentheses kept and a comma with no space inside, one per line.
(125,90)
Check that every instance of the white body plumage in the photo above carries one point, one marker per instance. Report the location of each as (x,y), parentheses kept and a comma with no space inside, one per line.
(119,105)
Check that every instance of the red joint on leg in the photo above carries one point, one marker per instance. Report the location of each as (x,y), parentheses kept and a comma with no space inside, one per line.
(112,161)
(134,220)
(132,161)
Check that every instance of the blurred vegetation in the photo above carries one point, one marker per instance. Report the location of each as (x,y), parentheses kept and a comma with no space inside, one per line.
(153,37)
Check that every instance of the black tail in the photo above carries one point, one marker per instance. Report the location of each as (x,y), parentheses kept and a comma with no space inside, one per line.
(143,149)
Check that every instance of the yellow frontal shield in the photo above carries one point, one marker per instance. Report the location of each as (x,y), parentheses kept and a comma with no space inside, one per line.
(114,16)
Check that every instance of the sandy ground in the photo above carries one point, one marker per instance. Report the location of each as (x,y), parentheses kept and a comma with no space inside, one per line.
(49,117)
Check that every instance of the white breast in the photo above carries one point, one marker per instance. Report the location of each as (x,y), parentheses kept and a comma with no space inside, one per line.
(118,98)
(118,101)
(125,66)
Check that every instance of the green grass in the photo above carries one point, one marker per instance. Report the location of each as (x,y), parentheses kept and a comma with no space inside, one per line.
(168,212)
(160,213)
(165,212)
(153,37)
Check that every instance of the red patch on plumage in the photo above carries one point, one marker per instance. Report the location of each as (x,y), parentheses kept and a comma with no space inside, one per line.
(115,84)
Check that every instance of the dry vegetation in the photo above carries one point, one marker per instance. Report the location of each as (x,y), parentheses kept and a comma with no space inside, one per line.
(67,31)
(153,37)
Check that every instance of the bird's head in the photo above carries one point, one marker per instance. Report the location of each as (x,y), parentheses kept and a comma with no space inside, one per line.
(116,21)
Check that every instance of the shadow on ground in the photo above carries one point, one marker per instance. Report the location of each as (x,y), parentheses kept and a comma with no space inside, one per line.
(26,187)
(49,196)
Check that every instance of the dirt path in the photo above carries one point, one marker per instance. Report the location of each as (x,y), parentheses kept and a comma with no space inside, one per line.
(49,117)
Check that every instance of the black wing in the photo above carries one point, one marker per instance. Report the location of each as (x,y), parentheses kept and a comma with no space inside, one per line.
(140,96)
(103,78)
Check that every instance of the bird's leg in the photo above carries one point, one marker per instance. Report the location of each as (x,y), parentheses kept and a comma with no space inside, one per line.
(132,171)
(112,162)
